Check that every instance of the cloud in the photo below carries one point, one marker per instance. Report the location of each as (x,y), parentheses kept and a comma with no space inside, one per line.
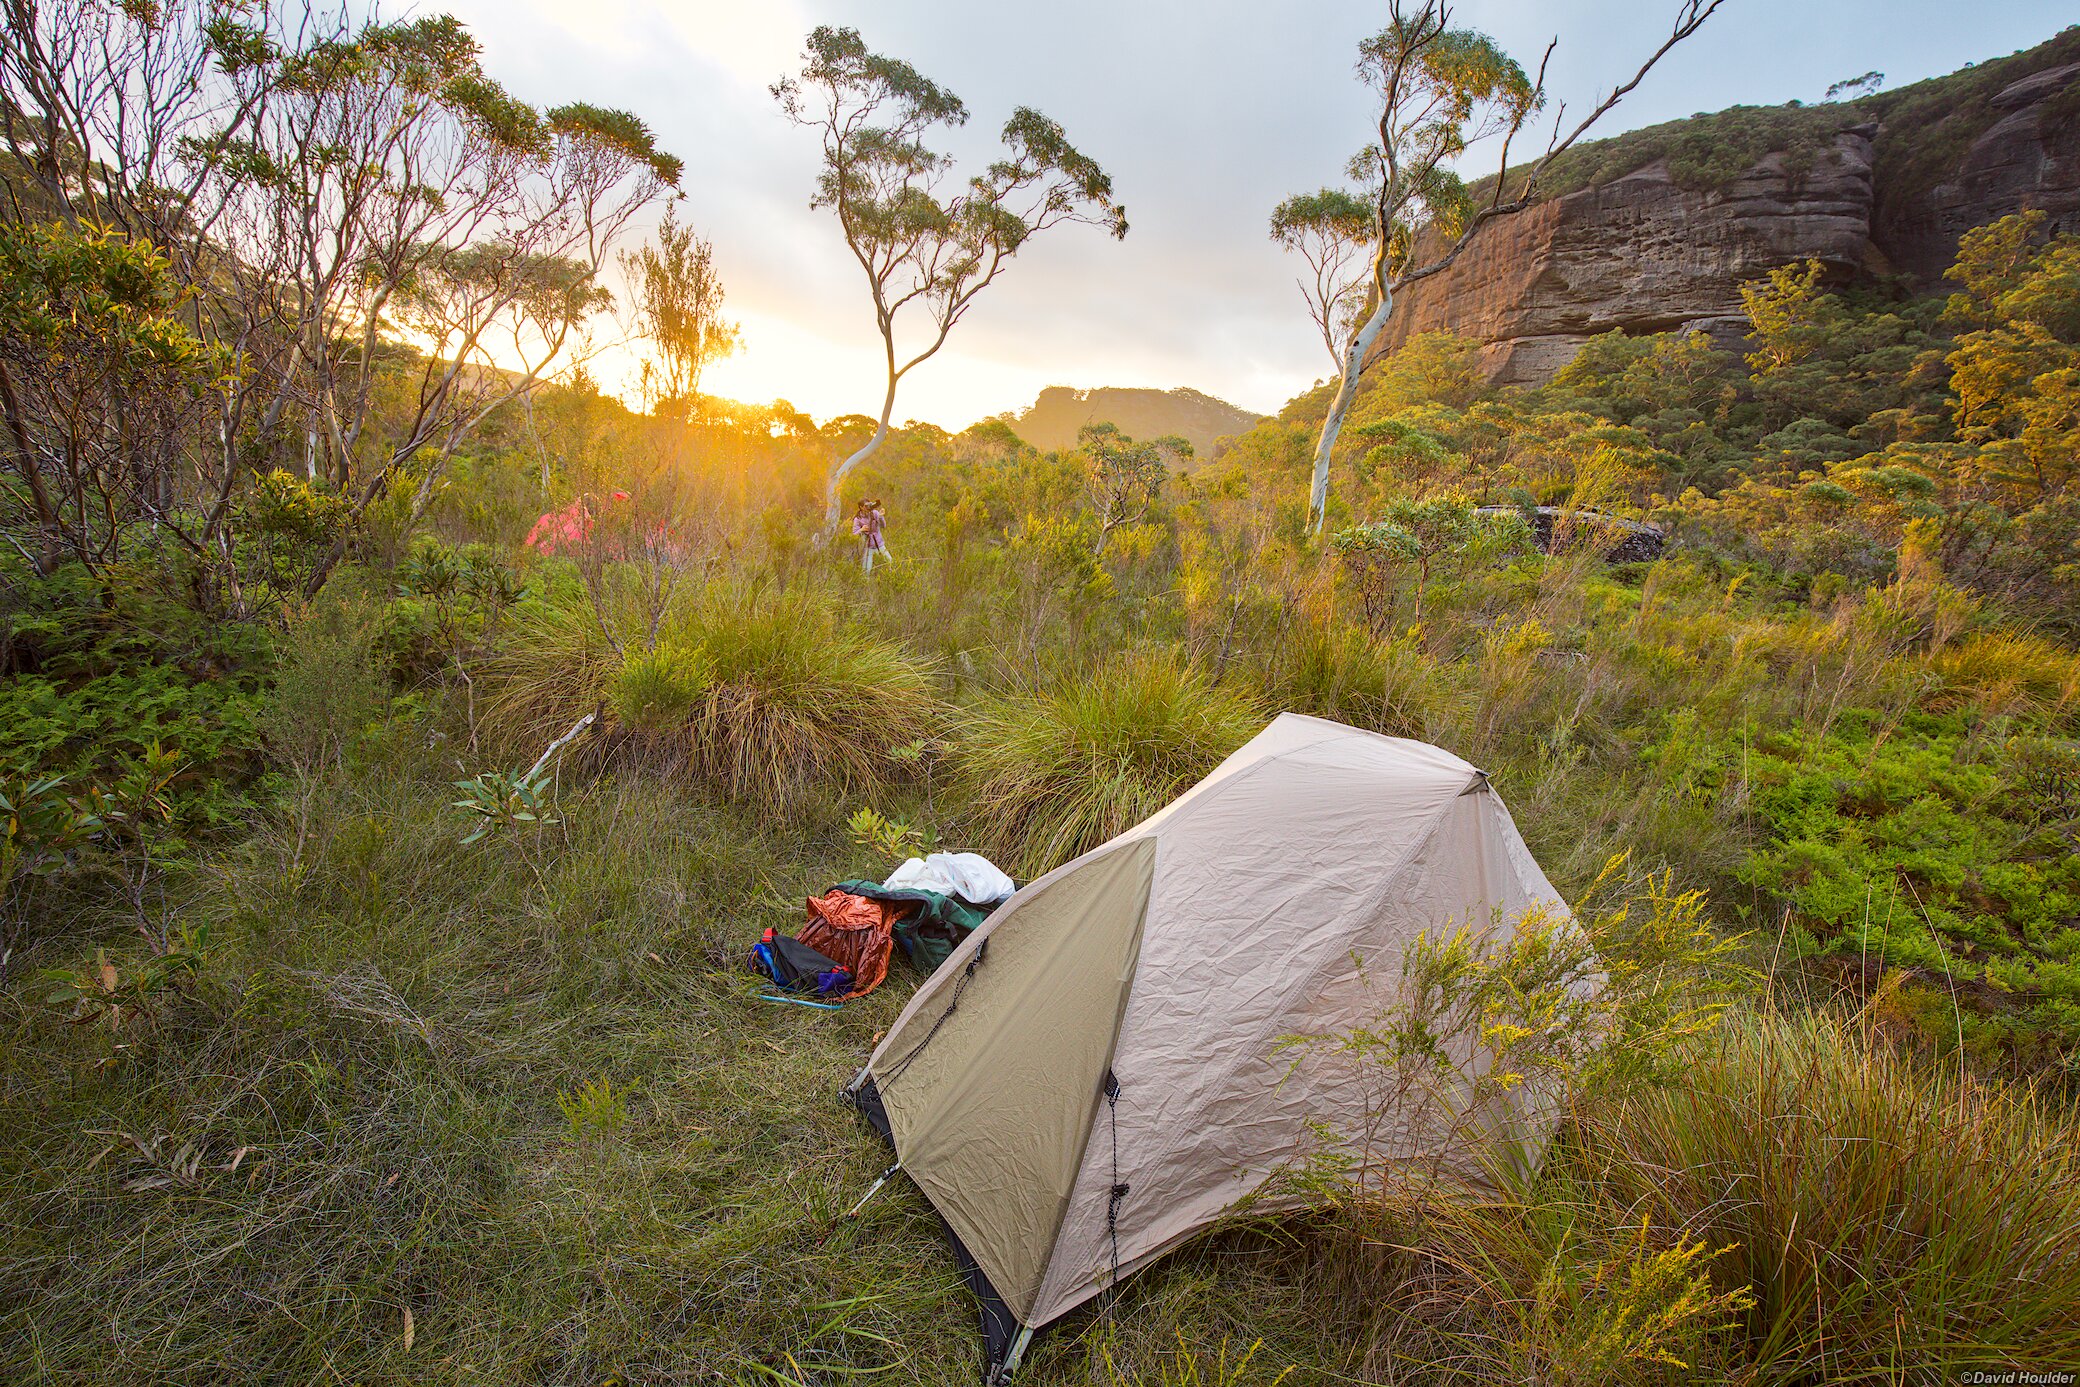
(1205,112)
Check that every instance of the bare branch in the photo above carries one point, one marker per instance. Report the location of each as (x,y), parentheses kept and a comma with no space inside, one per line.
(1692,14)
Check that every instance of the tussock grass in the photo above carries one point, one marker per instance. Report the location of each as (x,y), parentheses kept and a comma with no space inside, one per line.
(772,701)
(1052,773)
(1888,1215)
(800,701)
(556,666)
(1801,1204)
(2009,672)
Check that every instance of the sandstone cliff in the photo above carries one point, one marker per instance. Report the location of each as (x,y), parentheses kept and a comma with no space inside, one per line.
(1878,191)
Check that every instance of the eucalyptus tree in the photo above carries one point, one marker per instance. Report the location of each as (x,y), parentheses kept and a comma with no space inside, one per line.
(1330,231)
(381,244)
(677,296)
(1124,476)
(1441,91)
(917,248)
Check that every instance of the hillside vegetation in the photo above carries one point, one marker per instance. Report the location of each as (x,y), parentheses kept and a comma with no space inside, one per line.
(303,1076)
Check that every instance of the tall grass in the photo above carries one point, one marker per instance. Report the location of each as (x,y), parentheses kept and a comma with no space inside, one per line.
(1343,673)
(340,1157)
(1052,773)
(773,701)
(1888,1216)
(1801,1204)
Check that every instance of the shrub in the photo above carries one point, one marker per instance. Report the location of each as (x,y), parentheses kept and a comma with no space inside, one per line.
(1509,1277)
(328,688)
(596,1110)
(92,684)
(1909,852)
(1049,774)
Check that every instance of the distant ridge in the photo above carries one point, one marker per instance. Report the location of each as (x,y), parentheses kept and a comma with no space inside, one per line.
(1052,420)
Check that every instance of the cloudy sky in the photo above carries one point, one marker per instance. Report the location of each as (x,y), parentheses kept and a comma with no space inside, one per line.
(1205,112)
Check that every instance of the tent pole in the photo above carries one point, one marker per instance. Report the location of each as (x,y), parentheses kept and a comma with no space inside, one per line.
(1018,1351)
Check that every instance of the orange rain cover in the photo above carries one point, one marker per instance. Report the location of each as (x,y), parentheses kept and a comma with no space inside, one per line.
(856,932)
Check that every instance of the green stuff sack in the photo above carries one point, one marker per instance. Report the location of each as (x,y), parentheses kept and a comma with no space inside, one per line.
(933,924)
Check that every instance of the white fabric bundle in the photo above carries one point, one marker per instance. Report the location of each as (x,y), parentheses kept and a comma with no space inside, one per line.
(971,876)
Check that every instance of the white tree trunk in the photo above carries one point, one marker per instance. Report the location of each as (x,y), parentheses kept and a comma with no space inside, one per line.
(1354,354)
(842,470)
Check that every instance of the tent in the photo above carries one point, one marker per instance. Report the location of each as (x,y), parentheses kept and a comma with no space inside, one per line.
(1092,1076)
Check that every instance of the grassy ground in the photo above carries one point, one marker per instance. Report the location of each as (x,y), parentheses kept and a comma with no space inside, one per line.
(513,1111)
(343,1159)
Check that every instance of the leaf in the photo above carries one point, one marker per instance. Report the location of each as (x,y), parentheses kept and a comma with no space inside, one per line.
(409,1332)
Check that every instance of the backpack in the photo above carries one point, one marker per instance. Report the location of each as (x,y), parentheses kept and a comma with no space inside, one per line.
(795,967)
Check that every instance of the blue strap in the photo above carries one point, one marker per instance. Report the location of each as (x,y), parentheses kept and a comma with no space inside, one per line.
(799,1002)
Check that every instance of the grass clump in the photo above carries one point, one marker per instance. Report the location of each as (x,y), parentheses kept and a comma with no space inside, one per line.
(2008,672)
(1053,773)
(555,666)
(1798,1202)
(800,702)
(1885,1214)
(770,703)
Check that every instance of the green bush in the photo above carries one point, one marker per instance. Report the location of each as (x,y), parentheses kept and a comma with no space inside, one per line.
(1913,852)
(1049,774)
(98,677)
(329,689)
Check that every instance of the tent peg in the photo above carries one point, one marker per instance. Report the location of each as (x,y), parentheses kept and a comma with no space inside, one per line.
(873,1189)
(1010,1364)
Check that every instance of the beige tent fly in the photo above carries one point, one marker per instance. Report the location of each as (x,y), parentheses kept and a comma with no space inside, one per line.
(1095,1075)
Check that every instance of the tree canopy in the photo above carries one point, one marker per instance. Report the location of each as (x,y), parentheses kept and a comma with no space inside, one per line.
(914,244)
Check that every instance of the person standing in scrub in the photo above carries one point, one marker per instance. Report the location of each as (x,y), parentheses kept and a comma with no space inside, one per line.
(870,522)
